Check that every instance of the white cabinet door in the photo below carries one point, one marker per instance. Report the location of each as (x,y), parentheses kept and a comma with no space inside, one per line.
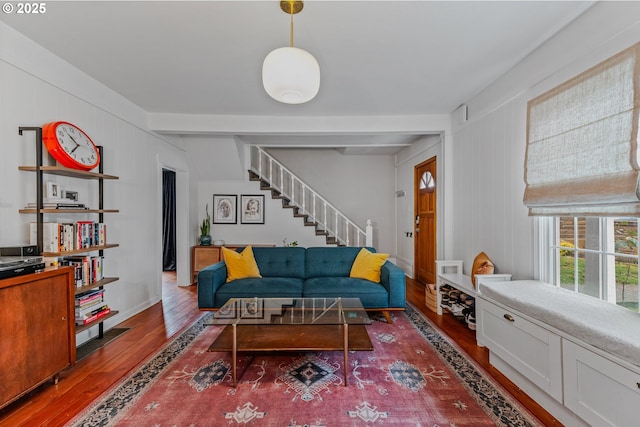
(533,351)
(601,392)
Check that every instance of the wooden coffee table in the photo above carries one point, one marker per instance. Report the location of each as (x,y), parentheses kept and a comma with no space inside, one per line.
(292,324)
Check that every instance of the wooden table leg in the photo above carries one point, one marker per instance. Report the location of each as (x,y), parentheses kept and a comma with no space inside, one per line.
(345,330)
(234,354)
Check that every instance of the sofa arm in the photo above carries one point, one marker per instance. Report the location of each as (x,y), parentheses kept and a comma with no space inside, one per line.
(393,279)
(209,280)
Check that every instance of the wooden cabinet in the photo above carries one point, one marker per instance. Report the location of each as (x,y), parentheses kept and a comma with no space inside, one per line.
(532,350)
(600,391)
(203,256)
(577,382)
(37,331)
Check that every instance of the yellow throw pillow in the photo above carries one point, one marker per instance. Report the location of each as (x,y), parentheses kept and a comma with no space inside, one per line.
(367,265)
(482,264)
(240,265)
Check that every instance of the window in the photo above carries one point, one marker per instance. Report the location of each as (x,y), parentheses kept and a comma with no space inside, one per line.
(427,182)
(582,172)
(597,256)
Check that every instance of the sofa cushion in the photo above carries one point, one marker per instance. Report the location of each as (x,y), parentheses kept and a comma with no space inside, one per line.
(280,261)
(331,261)
(372,295)
(240,265)
(265,287)
(367,265)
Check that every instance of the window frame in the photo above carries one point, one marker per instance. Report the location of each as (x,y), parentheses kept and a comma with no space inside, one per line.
(548,253)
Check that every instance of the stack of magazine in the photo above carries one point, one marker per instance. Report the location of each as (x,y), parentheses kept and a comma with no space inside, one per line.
(58,204)
(90,306)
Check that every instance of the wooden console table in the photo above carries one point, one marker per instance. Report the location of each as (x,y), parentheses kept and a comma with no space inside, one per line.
(203,256)
(37,330)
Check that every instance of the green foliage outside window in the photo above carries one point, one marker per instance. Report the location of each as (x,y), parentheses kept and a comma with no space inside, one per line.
(626,276)
(565,244)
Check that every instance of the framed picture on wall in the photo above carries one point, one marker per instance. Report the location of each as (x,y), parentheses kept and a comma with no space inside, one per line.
(252,209)
(225,209)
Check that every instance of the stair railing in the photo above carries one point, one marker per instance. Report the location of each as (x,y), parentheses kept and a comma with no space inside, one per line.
(308,201)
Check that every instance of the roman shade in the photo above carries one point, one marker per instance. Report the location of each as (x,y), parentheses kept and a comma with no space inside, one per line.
(582,143)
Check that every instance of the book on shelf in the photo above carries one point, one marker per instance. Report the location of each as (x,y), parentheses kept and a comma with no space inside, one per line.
(61,237)
(89,306)
(50,236)
(88,269)
(85,313)
(90,299)
(88,295)
(84,235)
(93,318)
(101,234)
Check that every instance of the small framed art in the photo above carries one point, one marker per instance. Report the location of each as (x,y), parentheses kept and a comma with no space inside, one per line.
(225,209)
(252,308)
(228,311)
(53,191)
(252,209)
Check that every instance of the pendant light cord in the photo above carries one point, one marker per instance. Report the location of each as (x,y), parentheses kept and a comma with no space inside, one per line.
(291,28)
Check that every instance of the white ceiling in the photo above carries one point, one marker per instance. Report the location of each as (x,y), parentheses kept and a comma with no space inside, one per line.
(377,58)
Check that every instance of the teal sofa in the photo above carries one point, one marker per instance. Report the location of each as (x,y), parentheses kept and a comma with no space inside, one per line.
(296,272)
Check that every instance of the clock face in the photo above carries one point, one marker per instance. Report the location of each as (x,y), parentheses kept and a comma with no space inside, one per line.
(70,146)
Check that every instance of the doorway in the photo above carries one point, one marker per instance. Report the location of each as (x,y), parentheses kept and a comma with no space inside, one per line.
(425,209)
(169,261)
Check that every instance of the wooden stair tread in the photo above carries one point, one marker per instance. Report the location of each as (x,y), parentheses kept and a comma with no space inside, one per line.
(286,204)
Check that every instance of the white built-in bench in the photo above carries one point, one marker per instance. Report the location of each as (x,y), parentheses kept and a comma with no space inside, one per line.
(451,273)
(578,356)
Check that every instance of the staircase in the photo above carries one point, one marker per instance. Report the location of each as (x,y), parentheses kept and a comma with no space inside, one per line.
(305,203)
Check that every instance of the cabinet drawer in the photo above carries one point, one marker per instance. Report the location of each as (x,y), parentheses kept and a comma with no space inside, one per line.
(532,350)
(600,391)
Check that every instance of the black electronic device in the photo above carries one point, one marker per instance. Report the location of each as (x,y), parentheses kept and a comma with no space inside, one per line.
(26,251)
(11,266)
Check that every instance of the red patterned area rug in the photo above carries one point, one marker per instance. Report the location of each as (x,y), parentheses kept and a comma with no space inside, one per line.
(414,377)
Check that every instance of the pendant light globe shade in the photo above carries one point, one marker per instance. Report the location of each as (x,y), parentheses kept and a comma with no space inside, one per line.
(291,75)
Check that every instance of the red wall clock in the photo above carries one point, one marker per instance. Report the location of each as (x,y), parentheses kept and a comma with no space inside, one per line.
(70,146)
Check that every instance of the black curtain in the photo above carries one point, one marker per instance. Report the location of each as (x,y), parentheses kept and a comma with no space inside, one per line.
(168,220)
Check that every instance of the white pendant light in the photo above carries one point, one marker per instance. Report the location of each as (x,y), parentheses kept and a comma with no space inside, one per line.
(289,74)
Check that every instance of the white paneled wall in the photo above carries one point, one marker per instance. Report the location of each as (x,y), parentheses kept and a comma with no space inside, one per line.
(489,216)
(488,151)
(130,152)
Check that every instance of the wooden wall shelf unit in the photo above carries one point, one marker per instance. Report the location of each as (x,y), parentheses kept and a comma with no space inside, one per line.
(62,171)
(40,170)
(81,251)
(67,211)
(37,330)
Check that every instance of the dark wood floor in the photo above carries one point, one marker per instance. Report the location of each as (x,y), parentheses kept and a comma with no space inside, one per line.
(54,405)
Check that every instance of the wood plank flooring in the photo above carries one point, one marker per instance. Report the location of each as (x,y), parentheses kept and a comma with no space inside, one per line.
(54,405)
